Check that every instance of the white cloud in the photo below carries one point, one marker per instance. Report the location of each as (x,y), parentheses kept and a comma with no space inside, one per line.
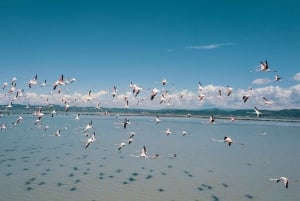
(297,76)
(282,98)
(209,46)
(261,81)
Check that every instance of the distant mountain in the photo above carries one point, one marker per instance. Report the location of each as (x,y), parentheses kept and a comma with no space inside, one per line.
(287,114)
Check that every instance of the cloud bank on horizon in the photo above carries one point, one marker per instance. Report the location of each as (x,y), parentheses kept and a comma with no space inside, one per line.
(168,96)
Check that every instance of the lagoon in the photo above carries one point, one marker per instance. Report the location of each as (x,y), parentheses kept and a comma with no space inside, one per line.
(36,165)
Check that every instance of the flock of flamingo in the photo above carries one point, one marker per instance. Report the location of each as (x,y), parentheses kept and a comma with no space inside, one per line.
(13,94)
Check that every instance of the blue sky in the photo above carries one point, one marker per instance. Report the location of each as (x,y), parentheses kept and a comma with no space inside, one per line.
(107,43)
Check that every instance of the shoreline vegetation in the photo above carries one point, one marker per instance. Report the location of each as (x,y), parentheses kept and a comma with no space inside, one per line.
(286,115)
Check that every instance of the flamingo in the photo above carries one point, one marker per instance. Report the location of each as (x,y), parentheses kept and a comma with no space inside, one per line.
(33,81)
(227,140)
(121,145)
(60,81)
(154,93)
(57,133)
(157,120)
(283,179)
(264,66)
(257,112)
(266,101)
(90,140)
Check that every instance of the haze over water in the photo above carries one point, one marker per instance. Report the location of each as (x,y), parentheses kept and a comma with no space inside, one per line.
(36,165)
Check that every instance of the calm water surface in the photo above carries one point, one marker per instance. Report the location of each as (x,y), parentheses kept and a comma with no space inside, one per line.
(36,165)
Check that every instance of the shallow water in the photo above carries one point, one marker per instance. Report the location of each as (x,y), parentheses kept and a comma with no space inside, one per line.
(36,165)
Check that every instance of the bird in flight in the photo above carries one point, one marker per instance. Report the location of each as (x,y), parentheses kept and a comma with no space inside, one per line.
(245,98)
(264,66)
(90,140)
(154,93)
(257,112)
(283,179)
(266,101)
(33,81)
(57,133)
(126,122)
(122,144)
(227,140)
(60,81)
(143,153)
(212,119)
(157,119)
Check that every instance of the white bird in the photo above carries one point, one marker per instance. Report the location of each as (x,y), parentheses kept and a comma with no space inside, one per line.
(121,145)
(3,126)
(144,152)
(60,81)
(126,103)
(57,133)
(20,118)
(264,66)
(277,78)
(283,179)
(229,90)
(168,132)
(9,105)
(33,81)
(257,112)
(163,97)
(157,120)
(67,106)
(13,80)
(184,133)
(126,122)
(130,140)
(44,83)
(38,121)
(173,155)
(219,93)
(245,98)
(88,127)
(5,85)
(136,90)
(38,113)
(154,93)
(201,97)
(131,135)
(227,140)
(114,92)
(90,140)
(98,107)
(12,89)
(20,93)
(77,116)
(212,119)
(164,81)
(267,102)
(89,96)
(53,112)
(200,86)
(70,81)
